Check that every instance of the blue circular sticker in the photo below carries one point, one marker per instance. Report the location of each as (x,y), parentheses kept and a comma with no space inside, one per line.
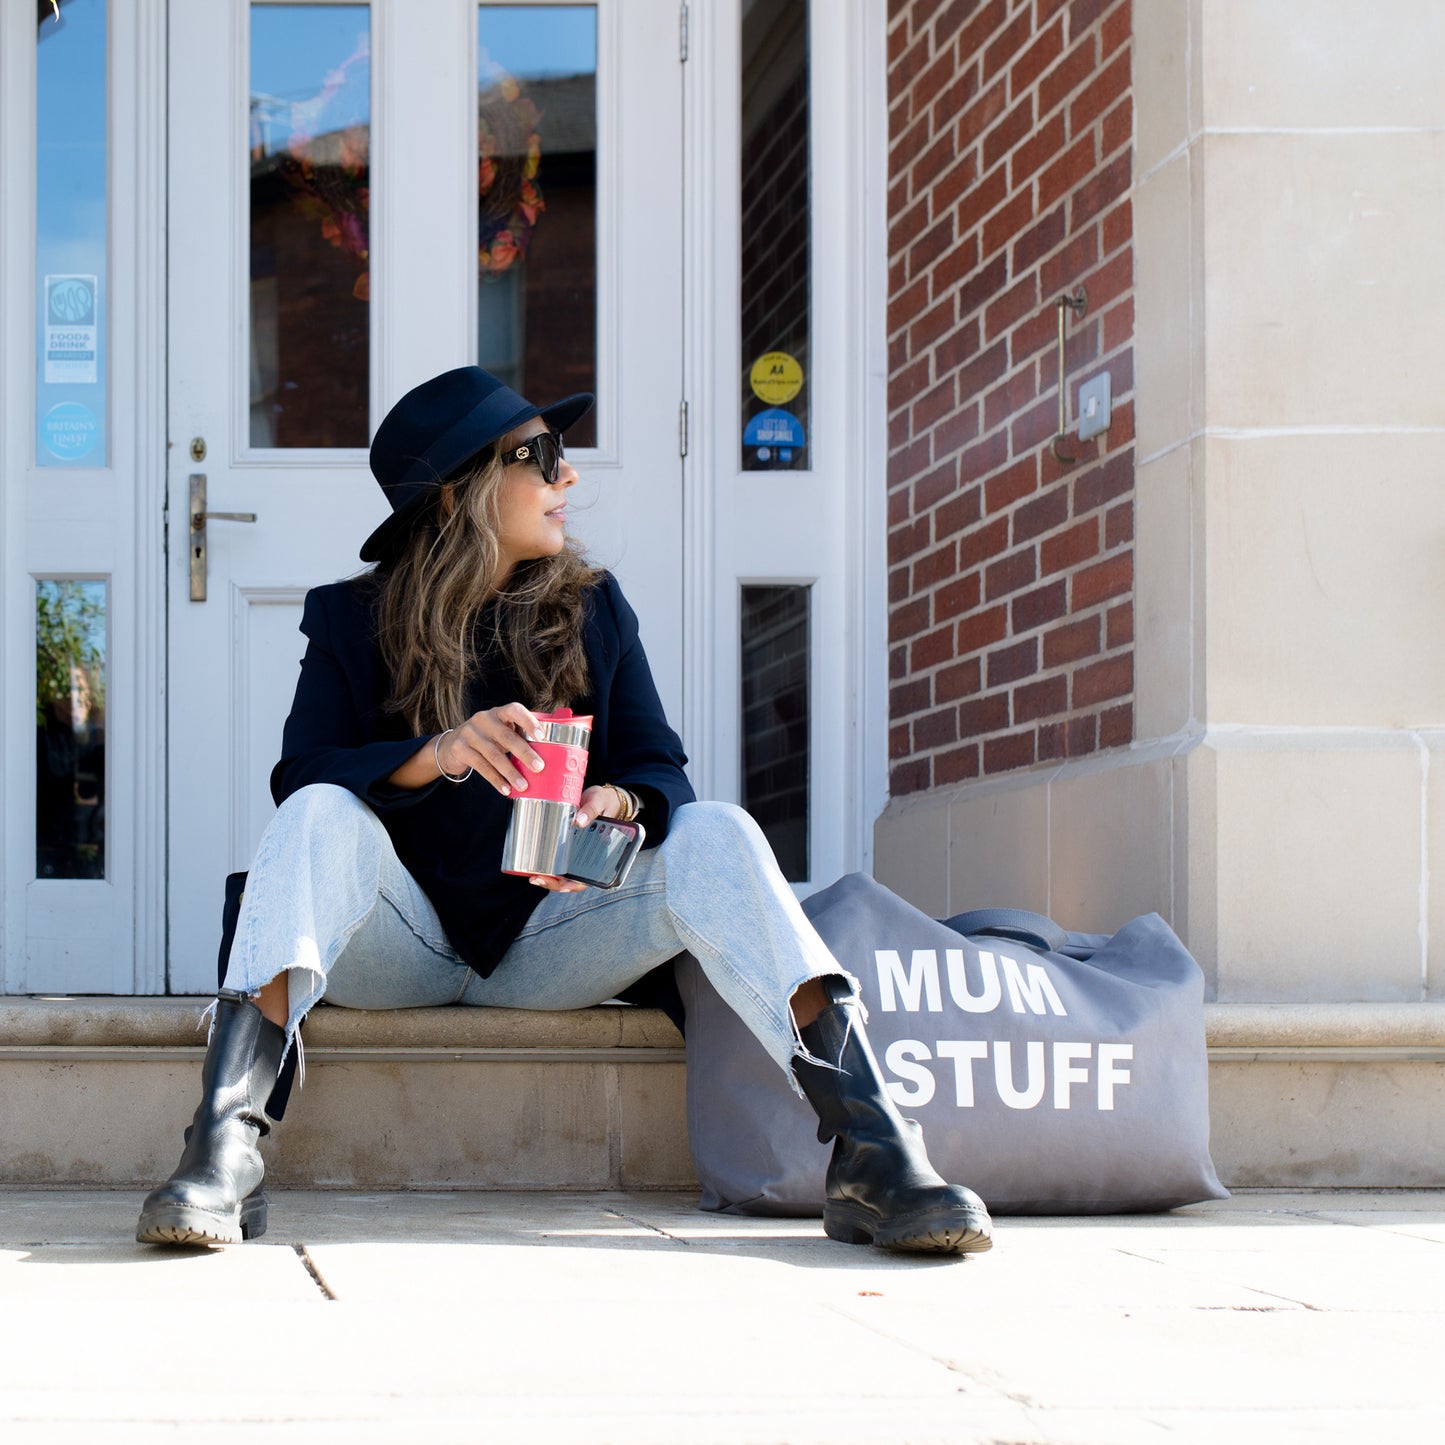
(70,430)
(774,428)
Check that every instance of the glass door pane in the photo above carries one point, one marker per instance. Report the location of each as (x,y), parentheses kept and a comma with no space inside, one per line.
(537,200)
(310,257)
(72,235)
(776,280)
(70,752)
(777,718)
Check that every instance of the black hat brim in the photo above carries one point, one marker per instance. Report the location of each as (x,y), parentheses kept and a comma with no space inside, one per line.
(452,455)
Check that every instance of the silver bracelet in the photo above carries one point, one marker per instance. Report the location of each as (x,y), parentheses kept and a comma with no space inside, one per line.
(436,757)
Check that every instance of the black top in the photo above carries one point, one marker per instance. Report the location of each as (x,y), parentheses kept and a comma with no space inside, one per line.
(449,835)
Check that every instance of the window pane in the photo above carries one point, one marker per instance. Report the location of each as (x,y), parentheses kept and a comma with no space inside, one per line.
(776,654)
(70,687)
(70,235)
(310,146)
(776,281)
(537,201)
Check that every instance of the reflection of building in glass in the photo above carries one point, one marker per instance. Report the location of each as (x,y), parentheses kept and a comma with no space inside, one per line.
(309,293)
(777,719)
(776,279)
(70,730)
(537,236)
(310,242)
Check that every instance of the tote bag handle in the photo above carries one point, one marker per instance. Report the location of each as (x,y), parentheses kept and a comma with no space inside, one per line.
(1017,924)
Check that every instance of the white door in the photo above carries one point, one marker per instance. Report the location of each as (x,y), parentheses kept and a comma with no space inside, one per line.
(786,274)
(340,177)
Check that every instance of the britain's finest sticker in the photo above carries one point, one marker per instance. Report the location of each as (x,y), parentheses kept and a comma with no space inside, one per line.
(70,330)
(776,377)
(70,430)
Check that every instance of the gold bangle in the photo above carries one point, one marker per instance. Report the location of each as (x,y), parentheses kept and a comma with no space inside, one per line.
(631,803)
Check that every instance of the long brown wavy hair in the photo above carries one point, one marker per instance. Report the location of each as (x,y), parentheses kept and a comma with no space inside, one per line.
(437,623)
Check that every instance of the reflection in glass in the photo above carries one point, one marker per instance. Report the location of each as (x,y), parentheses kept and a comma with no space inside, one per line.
(776,279)
(70,235)
(70,689)
(775,661)
(310,147)
(537,200)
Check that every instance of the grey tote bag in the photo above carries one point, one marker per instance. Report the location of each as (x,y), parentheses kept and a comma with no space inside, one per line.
(1052,1073)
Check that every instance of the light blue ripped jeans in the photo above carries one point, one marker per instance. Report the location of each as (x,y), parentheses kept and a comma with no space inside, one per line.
(329,903)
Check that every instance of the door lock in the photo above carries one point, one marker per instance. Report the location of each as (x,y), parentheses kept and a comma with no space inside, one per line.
(199,517)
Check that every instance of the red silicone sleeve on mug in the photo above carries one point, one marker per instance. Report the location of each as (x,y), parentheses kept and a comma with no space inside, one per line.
(560,781)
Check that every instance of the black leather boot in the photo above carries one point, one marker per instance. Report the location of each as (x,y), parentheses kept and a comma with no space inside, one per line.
(215,1195)
(881,1188)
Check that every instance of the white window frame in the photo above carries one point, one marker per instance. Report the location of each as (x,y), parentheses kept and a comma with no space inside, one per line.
(848,115)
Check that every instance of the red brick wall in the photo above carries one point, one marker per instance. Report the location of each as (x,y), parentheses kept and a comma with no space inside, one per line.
(1011,618)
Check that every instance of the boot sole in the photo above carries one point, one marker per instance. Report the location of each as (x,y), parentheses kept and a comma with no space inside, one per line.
(932,1231)
(184,1225)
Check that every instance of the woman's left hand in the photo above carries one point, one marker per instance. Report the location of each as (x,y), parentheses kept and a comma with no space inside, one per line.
(597,802)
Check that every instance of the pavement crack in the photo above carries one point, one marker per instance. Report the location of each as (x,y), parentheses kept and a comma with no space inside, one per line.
(984,1379)
(304,1255)
(1134,1254)
(645,1224)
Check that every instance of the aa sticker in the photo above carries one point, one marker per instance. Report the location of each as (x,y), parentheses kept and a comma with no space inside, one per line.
(776,377)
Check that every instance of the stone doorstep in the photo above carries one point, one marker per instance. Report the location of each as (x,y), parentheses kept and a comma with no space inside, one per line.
(1235,1032)
(96,1090)
(1301,1095)
(31,1025)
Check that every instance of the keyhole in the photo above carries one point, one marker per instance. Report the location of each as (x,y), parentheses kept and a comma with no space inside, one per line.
(198,449)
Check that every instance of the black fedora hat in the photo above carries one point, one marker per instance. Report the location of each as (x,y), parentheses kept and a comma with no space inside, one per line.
(436,429)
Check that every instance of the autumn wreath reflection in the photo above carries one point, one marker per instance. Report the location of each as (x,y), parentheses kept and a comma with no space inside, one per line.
(310,225)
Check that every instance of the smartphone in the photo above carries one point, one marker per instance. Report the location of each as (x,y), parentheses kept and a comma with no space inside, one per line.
(601,853)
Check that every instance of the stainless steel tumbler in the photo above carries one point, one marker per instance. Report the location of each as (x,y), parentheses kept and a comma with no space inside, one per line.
(539,835)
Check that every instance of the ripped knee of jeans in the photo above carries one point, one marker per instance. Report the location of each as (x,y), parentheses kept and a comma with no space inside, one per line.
(838,988)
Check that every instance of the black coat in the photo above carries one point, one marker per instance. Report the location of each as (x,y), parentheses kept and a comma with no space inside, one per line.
(449,836)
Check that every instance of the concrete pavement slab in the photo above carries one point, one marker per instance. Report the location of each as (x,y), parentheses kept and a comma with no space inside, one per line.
(632,1317)
(89,1275)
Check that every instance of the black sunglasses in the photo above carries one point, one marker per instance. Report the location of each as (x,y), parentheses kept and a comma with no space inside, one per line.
(545,449)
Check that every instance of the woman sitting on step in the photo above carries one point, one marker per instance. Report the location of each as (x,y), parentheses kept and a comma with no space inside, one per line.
(379,882)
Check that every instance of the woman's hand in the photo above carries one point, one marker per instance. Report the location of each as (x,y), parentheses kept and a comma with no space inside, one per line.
(597,802)
(489,742)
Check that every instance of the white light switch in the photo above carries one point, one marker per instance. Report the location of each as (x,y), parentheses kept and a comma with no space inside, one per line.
(1095,399)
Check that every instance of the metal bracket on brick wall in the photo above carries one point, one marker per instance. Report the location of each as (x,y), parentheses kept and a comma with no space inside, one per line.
(1078,304)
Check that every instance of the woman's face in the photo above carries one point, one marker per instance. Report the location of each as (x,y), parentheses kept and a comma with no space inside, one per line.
(531,515)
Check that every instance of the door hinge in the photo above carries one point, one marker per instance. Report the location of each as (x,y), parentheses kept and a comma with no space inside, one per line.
(682,429)
(682,33)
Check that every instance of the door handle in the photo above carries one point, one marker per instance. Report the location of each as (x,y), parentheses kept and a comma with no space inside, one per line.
(199,517)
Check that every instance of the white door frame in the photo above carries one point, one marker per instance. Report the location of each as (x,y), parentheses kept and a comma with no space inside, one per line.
(848,116)
(314,507)
(102,936)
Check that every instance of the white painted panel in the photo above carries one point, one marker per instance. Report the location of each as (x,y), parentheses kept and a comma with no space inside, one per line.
(68,937)
(267,636)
